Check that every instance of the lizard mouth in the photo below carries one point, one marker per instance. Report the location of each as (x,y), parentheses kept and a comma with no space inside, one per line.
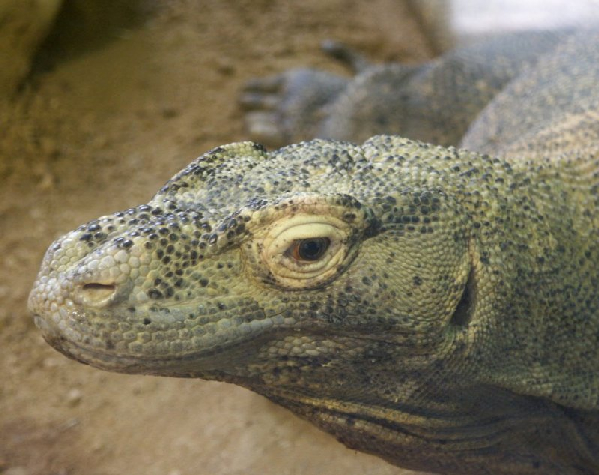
(149,339)
(204,361)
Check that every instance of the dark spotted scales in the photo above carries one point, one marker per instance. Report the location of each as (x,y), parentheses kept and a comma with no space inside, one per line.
(435,306)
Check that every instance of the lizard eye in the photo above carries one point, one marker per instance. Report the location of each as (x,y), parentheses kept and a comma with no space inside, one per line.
(311,249)
(306,250)
(307,240)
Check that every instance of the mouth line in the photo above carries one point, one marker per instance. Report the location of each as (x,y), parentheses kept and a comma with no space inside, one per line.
(200,357)
(193,363)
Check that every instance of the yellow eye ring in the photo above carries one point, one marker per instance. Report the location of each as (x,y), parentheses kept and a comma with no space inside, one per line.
(307,241)
(305,250)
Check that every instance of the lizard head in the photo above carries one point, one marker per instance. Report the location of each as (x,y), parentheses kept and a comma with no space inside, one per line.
(249,265)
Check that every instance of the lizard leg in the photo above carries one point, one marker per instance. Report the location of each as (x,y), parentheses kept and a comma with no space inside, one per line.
(434,102)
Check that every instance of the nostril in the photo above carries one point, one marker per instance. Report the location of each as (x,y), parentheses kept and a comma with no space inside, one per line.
(94,293)
(94,287)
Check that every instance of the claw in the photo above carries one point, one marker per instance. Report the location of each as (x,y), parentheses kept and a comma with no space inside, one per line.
(263,127)
(258,101)
(346,55)
(268,84)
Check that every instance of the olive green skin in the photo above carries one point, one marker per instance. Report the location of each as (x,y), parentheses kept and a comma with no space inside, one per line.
(450,324)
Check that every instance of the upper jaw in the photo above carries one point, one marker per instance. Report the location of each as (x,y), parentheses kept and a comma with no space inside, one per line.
(205,363)
(146,340)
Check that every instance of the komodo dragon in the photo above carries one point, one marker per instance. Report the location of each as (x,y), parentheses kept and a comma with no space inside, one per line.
(434,306)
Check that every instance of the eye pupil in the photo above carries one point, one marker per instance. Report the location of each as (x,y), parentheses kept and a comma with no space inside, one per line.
(311,249)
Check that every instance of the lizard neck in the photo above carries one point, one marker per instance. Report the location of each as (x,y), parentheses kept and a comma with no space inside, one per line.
(535,257)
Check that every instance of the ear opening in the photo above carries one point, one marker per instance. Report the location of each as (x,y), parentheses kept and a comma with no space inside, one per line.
(465,309)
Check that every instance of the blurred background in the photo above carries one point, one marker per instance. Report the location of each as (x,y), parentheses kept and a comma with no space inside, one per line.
(100,103)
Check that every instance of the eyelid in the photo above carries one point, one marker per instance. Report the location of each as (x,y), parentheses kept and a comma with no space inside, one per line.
(272,229)
(309,230)
(285,239)
(294,273)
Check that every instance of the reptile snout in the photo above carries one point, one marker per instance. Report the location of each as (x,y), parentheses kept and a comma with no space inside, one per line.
(76,277)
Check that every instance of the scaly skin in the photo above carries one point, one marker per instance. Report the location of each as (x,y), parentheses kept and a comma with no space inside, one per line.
(433,306)
(434,102)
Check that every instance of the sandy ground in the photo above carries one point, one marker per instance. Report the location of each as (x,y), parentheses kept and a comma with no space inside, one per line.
(121,100)
(113,111)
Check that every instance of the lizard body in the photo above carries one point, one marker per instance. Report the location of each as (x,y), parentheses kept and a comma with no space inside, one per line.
(431,305)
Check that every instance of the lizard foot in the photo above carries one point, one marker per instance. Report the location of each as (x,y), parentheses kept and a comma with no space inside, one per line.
(291,106)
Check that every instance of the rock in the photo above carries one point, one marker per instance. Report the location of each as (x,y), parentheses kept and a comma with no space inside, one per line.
(74,397)
(23,26)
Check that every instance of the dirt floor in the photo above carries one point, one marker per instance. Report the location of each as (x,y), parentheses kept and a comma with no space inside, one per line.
(118,103)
